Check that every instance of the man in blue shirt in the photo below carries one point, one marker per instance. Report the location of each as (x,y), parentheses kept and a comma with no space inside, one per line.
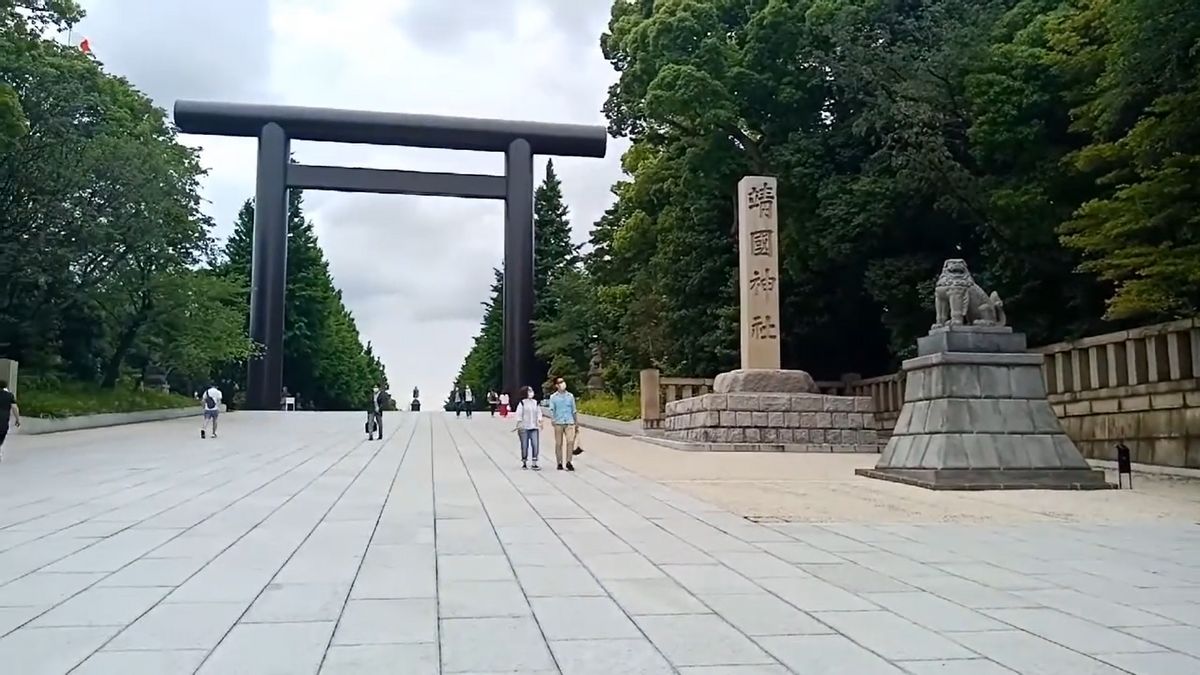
(564,416)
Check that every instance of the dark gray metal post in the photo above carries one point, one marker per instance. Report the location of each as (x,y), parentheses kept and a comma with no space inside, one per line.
(268,278)
(518,268)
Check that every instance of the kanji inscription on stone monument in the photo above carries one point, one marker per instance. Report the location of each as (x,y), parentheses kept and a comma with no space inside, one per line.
(758,262)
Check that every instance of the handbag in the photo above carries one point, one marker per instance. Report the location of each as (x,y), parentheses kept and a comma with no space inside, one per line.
(578,448)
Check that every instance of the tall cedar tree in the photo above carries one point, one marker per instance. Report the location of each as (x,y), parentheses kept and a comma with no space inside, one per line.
(482,368)
(553,254)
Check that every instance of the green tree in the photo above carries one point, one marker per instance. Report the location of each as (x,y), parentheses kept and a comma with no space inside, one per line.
(199,298)
(482,368)
(564,341)
(1137,68)
(555,256)
(22,24)
(554,252)
(100,226)
(885,124)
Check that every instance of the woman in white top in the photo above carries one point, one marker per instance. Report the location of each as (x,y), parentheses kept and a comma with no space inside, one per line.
(529,422)
(504,410)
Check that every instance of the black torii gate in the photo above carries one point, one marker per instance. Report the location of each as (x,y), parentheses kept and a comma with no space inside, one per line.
(276,126)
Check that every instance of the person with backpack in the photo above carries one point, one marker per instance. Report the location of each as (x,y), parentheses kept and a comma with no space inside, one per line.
(210,402)
(468,401)
(493,401)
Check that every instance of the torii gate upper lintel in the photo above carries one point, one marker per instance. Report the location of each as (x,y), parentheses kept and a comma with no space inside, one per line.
(276,126)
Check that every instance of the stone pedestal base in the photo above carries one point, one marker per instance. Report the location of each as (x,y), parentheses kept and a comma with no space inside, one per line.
(979,420)
(765,381)
(771,423)
(985,479)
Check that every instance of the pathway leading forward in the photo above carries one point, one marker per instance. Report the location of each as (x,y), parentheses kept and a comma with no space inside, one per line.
(293,545)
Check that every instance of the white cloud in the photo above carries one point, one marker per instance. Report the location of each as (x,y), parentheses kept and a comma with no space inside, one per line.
(413,270)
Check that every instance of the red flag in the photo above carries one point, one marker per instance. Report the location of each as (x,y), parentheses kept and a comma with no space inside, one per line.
(85,46)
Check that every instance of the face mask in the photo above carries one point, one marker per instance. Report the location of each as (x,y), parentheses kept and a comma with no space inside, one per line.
(529,395)
(562,386)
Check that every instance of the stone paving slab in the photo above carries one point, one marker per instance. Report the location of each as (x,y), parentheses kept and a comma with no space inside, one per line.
(293,545)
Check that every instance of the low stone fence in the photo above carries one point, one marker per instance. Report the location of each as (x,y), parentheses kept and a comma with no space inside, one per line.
(775,422)
(657,391)
(887,397)
(46,425)
(1139,386)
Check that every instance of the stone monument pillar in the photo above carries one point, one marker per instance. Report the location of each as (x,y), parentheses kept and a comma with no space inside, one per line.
(8,373)
(975,413)
(760,407)
(758,265)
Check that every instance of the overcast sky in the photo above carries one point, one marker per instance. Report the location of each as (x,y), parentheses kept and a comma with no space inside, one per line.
(413,270)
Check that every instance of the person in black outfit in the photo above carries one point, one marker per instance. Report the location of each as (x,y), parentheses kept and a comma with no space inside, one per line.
(9,410)
(380,400)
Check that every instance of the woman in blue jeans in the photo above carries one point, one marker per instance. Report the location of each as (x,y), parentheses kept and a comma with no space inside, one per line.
(529,422)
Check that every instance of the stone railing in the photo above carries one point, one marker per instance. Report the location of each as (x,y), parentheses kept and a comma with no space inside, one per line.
(887,396)
(1162,353)
(657,391)
(1139,386)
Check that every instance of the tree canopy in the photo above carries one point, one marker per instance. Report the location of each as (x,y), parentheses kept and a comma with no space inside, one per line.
(110,268)
(1054,144)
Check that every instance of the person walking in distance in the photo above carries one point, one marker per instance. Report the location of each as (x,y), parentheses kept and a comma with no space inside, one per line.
(492,401)
(456,395)
(210,403)
(504,409)
(379,402)
(10,413)
(529,424)
(468,400)
(566,421)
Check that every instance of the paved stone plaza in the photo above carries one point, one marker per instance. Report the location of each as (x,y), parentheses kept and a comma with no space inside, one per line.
(292,545)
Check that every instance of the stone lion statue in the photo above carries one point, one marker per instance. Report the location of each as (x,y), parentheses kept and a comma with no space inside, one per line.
(961,302)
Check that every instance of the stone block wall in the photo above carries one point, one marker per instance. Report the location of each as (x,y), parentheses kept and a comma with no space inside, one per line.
(792,422)
(1159,422)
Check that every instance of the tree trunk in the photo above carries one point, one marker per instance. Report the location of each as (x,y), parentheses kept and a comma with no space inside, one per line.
(112,370)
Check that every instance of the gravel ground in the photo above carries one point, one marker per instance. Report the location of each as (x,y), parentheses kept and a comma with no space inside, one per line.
(823,488)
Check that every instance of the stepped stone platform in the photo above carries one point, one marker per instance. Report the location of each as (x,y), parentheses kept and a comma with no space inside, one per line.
(977,418)
(771,422)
